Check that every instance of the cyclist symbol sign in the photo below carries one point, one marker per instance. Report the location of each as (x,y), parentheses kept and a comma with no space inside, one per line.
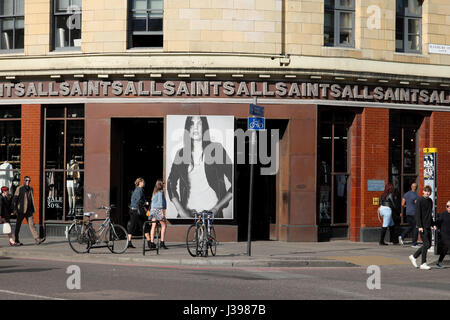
(256,123)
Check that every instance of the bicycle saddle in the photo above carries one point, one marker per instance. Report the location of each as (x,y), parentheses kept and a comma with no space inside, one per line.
(89,214)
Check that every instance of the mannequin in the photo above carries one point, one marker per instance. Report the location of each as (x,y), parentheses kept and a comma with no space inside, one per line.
(73,176)
(6,174)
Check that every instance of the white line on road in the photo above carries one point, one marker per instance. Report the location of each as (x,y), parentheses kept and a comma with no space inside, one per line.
(29,295)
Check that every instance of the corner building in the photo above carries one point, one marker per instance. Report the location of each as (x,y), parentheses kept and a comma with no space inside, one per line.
(356,89)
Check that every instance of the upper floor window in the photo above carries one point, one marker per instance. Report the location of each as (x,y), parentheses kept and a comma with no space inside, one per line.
(66,24)
(408,29)
(12,24)
(146,23)
(339,23)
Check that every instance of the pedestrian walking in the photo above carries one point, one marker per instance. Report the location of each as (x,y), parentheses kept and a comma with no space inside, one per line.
(409,202)
(443,223)
(424,221)
(158,213)
(136,208)
(23,203)
(5,210)
(385,211)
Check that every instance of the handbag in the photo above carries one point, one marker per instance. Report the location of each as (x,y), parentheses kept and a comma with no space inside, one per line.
(5,228)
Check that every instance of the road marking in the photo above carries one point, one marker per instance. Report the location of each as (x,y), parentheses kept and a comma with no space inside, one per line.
(369,260)
(29,295)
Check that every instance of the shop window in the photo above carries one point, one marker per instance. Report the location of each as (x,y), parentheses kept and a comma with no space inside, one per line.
(408,28)
(63,161)
(146,23)
(12,25)
(66,24)
(339,23)
(403,151)
(334,171)
(10,144)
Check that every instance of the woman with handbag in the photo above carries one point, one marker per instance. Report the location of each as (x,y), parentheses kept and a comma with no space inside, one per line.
(5,213)
(387,207)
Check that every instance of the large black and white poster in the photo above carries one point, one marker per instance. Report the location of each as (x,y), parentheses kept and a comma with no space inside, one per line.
(199,165)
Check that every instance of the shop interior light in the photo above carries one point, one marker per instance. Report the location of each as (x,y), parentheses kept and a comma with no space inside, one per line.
(237,75)
(316,77)
(404,82)
(265,76)
(383,81)
(339,78)
(103,76)
(290,76)
(210,75)
(10,77)
(184,75)
(78,75)
(445,85)
(129,75)
(55,76)
(155,75)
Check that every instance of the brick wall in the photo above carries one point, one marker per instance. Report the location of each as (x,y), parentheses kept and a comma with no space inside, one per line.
(374,160)
(31,152)
(355,176)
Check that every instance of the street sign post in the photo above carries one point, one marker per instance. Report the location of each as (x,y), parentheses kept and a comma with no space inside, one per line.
(256,123)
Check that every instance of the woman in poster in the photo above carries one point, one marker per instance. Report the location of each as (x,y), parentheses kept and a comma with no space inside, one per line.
(200,168)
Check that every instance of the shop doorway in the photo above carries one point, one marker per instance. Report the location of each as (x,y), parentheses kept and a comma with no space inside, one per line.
(136,151)
(264,190)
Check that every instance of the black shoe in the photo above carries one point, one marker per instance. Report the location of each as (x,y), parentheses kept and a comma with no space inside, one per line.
(18,243)
(39,241)
(383,244)
(152,246)
(149,244)
(163,245)
(130,245)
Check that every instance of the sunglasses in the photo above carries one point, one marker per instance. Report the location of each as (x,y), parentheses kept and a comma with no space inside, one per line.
(448,206)
(27,180)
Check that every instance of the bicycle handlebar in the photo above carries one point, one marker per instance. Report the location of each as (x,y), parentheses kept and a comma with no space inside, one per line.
(206,213)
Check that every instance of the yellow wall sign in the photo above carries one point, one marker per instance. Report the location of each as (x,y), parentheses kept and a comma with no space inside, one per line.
(376,201)
(429,150)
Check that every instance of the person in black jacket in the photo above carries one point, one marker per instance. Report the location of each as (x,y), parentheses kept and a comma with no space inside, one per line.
(5,210)
(388,206)
(424,221)
(443,223)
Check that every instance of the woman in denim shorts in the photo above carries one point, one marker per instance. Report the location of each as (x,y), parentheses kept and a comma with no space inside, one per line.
(158,212)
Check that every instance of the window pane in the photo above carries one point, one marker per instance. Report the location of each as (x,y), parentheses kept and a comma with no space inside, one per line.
(414,7)
(156,4)
(325,148)
(139,4)
(76,3)
(346,26)
(61,32)
(328,38)
(10,112)
(20,7)
(10,144)
(400,7)
(340,198)
(54,195)
(329,4)
(155,24)
(75,34)
(409,155)
(55,112)
(346,3)
(140,22)
(340,148)
(6,7)
(19,34)
(61,6)
(7,34)
(75,112)
(399,34)
(75,143)
(414,26)
(413,43)
(55,144)
(346,20)
(345,37)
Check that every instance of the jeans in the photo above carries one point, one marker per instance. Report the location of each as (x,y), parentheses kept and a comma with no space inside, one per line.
(411,227)
(426,238)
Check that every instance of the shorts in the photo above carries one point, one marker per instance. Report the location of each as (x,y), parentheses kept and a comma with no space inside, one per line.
(157,214)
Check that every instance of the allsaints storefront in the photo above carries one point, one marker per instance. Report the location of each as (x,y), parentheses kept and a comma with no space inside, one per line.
(85,142)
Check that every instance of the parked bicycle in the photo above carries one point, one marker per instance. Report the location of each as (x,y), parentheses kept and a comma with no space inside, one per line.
(201,236)
(157,236)
(82,236)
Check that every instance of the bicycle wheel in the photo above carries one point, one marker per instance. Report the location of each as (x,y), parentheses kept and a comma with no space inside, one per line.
(78,239)
(191,240)
(157,238)
(118,239)
(212,242)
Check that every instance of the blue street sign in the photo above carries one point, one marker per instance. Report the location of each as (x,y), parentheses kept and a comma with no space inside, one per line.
(255,123)
(256,110)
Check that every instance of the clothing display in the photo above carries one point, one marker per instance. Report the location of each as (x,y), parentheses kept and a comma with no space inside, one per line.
(73,176)
(6,174)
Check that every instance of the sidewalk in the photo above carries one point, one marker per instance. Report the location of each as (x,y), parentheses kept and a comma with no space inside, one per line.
(340,253)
